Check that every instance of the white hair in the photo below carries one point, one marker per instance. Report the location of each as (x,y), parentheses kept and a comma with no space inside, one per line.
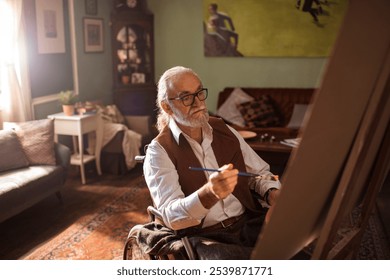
(164,85)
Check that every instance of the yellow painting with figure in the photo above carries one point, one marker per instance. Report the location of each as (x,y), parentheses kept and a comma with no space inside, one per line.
(277,28)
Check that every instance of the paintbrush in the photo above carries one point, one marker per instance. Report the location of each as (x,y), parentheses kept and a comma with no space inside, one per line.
(246,174)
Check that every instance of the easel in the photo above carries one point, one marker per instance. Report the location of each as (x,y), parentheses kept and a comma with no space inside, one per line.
(364,173)
(344,154)
(355,181)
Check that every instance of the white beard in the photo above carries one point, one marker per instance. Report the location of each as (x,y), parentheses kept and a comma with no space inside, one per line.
(189,120)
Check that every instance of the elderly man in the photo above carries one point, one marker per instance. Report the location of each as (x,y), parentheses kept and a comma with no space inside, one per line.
(219,205)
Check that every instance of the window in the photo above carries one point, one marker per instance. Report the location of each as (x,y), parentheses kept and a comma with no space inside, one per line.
(7,55)
(15,91)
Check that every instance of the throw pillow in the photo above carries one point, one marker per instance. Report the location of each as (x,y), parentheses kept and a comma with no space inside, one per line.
(37,139)
(259,113)
(228,109)
(11,153)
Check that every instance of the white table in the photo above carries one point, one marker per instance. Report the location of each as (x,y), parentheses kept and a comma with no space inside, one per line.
(77,126)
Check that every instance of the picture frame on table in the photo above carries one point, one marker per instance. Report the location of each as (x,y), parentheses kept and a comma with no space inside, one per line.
(138,78)
(93,35)
(91,7)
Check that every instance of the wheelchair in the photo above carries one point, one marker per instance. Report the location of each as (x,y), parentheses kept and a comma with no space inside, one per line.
(192,246)
(132,249)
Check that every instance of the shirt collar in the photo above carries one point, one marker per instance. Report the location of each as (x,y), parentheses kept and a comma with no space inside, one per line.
(207,131)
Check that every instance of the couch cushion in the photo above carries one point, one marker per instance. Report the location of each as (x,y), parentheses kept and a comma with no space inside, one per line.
(22,188)
(11,152)
(259,113)
(37,139)
(16,179)
(228,109)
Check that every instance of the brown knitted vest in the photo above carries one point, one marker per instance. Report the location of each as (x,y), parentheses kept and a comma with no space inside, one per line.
(226,148)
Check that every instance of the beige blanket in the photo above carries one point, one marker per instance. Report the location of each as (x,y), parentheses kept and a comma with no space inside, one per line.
(113,122)
(131,143)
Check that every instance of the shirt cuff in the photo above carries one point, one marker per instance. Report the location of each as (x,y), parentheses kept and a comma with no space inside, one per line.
(195,207)
(263,188)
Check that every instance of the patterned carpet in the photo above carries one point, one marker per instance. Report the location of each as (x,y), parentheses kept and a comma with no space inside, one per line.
(95,218)
(92,223)
(99,236)
(374,243)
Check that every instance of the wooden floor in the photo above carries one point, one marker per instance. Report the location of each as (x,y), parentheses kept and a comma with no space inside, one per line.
(24,232)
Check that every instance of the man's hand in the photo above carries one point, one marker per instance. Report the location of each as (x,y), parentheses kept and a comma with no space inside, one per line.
(273,195)
(272,200)
(223,183)
(219,186)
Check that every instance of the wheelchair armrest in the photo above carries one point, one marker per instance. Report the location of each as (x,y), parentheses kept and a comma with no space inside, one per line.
(139,159)
(153,213)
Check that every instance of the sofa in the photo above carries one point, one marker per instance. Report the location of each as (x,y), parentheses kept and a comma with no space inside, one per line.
(32,166)
(278,112)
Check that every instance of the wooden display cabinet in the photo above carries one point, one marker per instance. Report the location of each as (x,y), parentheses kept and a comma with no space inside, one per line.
(133,57)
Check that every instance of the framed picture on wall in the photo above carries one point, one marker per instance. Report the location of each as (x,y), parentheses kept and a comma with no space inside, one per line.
(264,28)
(50,26)
(93,35)
(91,7)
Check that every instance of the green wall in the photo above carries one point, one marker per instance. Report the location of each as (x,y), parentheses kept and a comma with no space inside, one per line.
(178,38)
(94,69)
(179,41)
(49,73)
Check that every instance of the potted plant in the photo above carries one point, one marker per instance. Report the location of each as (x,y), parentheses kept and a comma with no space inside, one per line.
(68,100)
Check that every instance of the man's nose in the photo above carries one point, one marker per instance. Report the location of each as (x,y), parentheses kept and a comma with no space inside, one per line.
(196,101)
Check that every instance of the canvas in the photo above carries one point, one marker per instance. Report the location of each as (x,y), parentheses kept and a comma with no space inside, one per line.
(340,141)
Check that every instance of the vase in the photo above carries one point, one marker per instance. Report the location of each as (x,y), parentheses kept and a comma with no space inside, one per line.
(68,110)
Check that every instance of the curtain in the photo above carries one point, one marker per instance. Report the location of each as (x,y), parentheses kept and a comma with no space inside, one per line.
(15,82)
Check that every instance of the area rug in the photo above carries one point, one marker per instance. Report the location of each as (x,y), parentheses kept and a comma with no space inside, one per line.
(374,244)
(99,236)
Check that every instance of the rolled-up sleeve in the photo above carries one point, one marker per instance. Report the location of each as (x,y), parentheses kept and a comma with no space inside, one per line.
(255,164)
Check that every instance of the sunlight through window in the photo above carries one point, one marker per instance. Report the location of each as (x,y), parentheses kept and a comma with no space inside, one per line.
(5,31)
(8,47)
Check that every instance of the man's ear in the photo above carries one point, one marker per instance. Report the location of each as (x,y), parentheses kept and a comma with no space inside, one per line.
(165,106)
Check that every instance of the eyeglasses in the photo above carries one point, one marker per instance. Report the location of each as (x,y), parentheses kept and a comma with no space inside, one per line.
(189,99)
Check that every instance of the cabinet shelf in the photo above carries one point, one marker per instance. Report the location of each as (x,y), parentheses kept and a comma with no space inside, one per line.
(132,42)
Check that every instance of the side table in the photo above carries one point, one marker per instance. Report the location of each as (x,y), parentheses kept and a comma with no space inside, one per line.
(77,126)
(274,153)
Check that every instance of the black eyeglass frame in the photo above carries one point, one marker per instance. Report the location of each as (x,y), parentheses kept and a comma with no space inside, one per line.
(195,94)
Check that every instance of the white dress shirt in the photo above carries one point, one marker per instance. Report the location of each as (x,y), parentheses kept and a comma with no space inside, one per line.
(163,181)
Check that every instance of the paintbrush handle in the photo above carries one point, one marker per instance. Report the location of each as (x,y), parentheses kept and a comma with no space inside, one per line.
(246,174)
(217,170)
